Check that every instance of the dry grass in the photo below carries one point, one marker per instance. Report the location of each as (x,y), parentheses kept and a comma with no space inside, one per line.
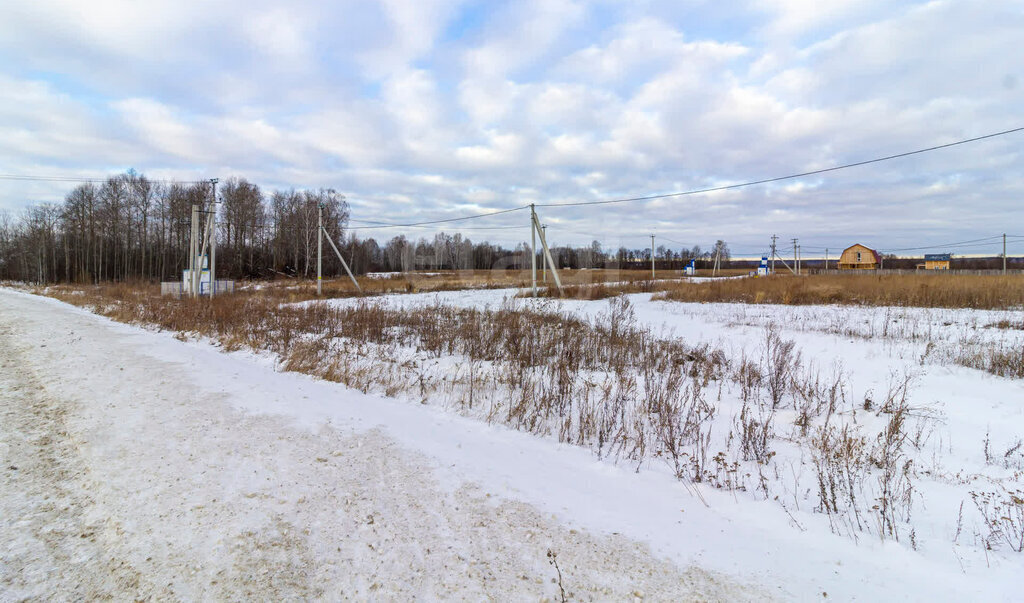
(607,384)
(294,290)
(930,291)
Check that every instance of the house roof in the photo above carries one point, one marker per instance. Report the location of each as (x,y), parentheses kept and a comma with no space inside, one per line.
(873,252)
(937,257)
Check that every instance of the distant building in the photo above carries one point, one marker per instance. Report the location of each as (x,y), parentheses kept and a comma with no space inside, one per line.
(859,257)
(935,261)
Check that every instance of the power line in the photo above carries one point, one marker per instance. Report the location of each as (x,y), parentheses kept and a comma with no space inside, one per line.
(582,203)
(88,180)
(779,178)
(446,220)
(376,224)
(959,243)
(671,240)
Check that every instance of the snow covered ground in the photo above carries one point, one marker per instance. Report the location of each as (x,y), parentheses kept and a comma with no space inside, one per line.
(120,481)
(254,482)
(966,427)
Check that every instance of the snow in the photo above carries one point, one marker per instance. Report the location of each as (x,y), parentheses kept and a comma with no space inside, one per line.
(169,472)
(957,409)
(118,482)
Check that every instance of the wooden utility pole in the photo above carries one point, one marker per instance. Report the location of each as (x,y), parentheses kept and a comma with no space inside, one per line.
(1004,253)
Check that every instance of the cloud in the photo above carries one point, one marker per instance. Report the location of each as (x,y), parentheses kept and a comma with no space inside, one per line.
(424,109)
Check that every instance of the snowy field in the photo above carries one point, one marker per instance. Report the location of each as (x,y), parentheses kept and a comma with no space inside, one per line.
(254,482)
(958,455)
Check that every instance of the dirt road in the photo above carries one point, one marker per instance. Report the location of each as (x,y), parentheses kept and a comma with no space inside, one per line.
(119,481)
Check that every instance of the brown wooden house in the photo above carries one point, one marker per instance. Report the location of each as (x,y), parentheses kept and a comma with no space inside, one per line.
(859,257)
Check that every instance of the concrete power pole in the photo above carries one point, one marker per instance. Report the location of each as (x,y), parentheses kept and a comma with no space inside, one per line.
(773,253)
(319,248)
(796,267)
(193,245)
(533,248)
(213,239)
(826,258)
(544,227)
(652,258)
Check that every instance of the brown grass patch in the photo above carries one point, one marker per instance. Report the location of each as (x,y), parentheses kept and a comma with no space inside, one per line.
(928,291)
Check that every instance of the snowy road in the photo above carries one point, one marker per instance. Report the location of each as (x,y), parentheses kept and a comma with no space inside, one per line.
(119,481)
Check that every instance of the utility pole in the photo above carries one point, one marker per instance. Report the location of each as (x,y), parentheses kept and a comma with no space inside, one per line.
(193,245)
(319,247)
(795,265)
(652,258)
(799,256)
(341,259)
(544,227)
(826,258)
(533,248)
(213,239)
(773,253)
(547,255)
(1004,253)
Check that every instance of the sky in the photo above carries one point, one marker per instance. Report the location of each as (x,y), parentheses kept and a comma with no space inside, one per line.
(422,110)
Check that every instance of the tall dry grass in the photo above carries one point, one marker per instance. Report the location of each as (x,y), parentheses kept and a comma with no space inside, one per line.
(294,290)
(607,384)
(920,290)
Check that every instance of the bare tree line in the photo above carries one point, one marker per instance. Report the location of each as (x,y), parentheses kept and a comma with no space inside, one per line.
(130,227)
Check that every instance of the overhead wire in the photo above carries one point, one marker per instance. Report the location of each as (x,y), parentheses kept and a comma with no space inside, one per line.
(88,180)
(780,178)
(446,220)
(959,243)
(385,225)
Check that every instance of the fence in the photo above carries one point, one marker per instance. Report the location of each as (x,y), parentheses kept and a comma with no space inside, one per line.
(993,272)
(174,288)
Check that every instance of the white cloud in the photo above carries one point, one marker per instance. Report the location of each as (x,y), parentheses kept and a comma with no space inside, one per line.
(414,27)
(280,35)
(543,100)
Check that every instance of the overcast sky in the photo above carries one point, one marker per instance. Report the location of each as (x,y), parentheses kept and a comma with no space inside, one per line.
(420,110)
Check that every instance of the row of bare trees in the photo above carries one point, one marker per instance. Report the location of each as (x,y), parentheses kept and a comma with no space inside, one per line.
(130,227)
